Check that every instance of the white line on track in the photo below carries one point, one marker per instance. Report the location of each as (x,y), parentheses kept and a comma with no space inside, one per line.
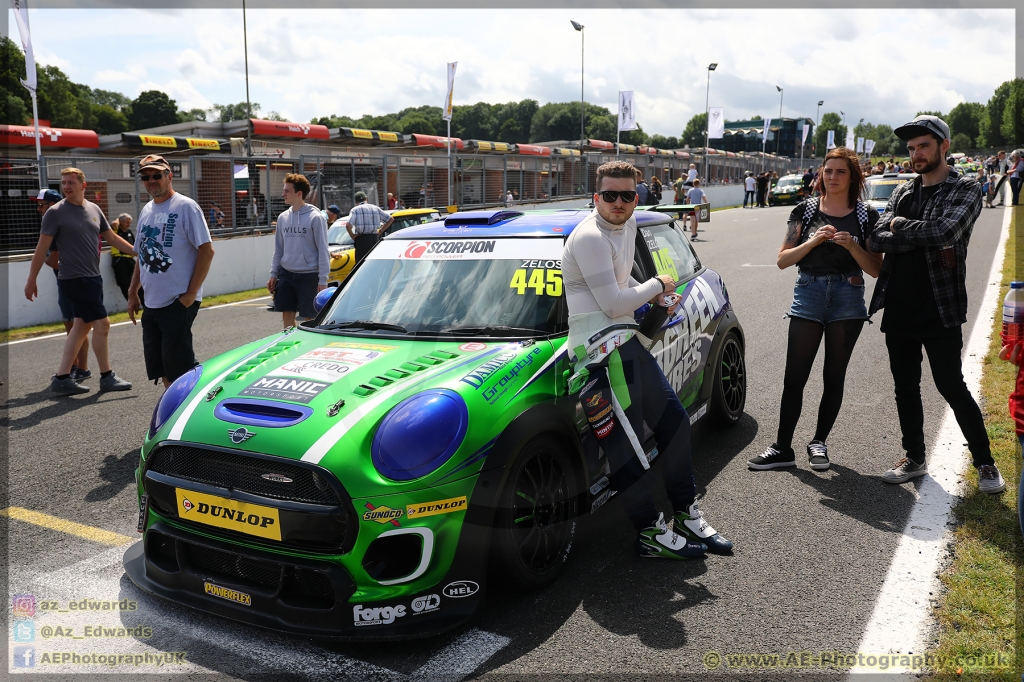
(902,616)
(119,324)
(212,644)
(759,265)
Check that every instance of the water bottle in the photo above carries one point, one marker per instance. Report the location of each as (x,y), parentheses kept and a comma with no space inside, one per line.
(1013,315)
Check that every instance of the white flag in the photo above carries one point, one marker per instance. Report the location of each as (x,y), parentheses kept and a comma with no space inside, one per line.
(447,113)
(860,145)
(716,123)
(807,129)
(831,140)
(764,135)
(21,15)
(869,146)
(627,112)
(849,139)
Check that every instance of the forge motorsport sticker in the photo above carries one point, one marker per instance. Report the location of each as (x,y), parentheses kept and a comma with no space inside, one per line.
(280,388)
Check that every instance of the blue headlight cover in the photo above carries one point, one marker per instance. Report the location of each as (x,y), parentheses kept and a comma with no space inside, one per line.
(420,434)
(173,397)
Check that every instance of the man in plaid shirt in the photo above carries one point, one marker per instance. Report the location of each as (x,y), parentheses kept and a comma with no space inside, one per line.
(924,234)
(365,223)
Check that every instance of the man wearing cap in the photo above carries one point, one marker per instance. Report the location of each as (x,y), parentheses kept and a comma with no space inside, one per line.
(77,224)
(216,215)
(924,233)
(333,213)
(365,223)
(80,368)
(174,255)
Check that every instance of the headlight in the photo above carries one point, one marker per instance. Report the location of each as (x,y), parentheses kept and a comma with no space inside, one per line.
(420,435)
(173,397)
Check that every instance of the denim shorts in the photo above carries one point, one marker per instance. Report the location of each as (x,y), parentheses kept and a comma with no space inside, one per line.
(828,298)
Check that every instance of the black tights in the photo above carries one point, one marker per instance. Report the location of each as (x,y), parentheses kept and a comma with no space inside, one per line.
(804,339)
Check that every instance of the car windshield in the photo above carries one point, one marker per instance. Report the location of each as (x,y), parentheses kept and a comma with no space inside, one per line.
(492,287)
(337,235)
(789,183)
(881,190)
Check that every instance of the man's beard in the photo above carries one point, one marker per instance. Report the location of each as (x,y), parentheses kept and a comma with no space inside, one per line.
(930,165)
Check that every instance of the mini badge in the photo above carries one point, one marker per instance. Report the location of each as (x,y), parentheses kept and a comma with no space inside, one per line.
(240,435)
(143,512)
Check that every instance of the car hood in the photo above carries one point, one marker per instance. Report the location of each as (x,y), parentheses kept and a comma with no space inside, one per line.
(339,388)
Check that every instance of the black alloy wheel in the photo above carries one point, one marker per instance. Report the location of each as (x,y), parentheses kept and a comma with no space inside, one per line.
(729,395)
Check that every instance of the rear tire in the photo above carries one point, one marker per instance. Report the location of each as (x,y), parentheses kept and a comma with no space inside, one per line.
(535,521)
(729,394)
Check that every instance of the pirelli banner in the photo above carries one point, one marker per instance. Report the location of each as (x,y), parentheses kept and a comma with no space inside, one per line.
(179,143)
(369,135)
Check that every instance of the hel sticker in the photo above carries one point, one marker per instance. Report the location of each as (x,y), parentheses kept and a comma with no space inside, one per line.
(473,346)
(542,281)
(294,390)
(242,517)
(468,249)
(437,507)
(225,593)
(382,514)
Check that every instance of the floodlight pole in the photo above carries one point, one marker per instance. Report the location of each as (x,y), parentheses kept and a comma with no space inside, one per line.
(248,104)
(707,118)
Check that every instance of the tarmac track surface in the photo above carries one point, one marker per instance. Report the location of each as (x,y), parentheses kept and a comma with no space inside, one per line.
(812,548)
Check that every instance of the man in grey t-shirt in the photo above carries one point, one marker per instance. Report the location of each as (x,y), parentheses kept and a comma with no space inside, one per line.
(175,254)
(77,224)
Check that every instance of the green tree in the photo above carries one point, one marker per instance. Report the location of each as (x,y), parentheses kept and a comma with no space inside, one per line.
(1012,125)
(966,118)
(107,120)
(12,70)
(234,112)
(829,121)
(152,109)
(108,98)
(929,113)
(275,116)
(991,126)
(693,133)
(662,142)
(602,126)
(192,115)
(13,110)
(960,142)
(58,100)
(886,142)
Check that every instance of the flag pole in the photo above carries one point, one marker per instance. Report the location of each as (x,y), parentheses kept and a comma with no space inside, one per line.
(448,144)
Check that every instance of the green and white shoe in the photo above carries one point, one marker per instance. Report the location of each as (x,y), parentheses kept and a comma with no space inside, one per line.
(660,541)
(693,525)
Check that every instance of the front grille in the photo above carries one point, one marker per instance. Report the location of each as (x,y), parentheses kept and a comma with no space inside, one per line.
(242,472)
(295,585)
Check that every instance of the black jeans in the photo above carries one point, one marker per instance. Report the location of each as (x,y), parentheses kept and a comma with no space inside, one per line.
(748,195)
(944,359)
(653,401)
(1014,191)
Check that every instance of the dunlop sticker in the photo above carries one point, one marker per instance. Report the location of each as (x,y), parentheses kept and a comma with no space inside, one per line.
(415,511)
(224,593)
(243,517)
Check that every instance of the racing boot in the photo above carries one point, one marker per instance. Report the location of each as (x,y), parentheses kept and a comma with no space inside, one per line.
(659,541)
(691,523)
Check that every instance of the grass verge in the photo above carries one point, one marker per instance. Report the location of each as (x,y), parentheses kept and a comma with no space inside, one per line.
(980,614)
(43,329)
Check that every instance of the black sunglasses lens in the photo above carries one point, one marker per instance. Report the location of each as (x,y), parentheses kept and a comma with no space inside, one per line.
(155,176)
(627,196)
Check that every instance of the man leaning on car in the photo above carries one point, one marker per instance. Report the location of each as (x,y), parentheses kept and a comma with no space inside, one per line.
(619,383)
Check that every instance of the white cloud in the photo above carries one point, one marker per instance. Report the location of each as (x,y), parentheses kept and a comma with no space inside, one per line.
(132,73)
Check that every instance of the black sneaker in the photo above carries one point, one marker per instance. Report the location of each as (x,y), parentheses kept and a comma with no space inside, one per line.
(773,458)
(80,374)
(904,470)
(817,455)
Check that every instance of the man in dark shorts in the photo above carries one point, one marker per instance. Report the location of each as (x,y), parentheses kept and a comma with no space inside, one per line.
(365,223)
(302,262)
(77,224)
(174,256)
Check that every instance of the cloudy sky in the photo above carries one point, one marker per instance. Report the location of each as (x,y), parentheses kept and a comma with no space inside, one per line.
(882,65)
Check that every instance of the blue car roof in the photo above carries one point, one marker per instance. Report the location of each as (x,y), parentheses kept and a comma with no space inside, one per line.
(544,223)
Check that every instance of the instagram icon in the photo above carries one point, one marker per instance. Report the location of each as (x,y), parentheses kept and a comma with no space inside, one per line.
(24,605)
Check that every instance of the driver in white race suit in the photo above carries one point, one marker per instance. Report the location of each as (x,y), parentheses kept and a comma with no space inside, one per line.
(620,384)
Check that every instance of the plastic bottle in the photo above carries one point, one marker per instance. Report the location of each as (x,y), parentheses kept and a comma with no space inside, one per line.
(1013,315)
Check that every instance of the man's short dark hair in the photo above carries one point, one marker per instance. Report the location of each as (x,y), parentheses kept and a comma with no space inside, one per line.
(299,183)
(616,169)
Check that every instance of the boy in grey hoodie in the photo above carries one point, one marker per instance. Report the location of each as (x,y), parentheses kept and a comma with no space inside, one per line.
(301,261)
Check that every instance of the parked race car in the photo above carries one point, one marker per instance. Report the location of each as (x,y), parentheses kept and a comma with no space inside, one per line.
(878,188)
(357,477)
(788,190)
(343,248)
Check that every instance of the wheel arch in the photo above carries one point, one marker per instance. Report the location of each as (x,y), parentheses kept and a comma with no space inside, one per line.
(729,324)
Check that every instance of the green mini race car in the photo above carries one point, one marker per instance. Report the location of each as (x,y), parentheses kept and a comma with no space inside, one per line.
(356,477)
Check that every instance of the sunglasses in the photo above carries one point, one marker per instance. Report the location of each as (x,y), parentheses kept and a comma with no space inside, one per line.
(155,176)
(609,196)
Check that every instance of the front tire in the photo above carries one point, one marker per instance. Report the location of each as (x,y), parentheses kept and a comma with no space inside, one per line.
(729,394)
(535,521)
